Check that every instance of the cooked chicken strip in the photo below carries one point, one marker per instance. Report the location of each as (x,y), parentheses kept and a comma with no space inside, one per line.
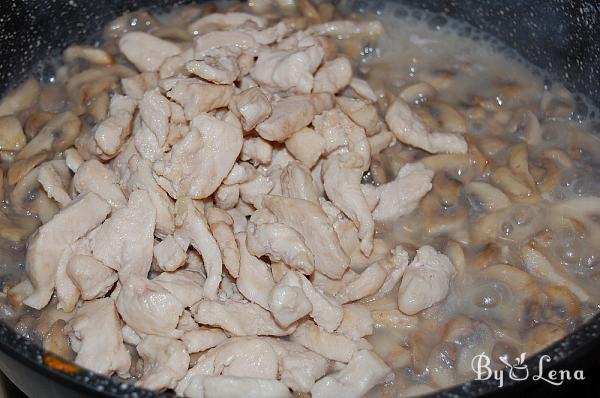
(186,286)
(236,357)
(288,70)
(402,195)
(288,303)
(299,367)
(255,280)
(240,387)
(333,76)
(368,283)
(216,55)
(92,278)
(288,116)
(198,163)
(411,130)
(363,89)
(228,21)
(357,321)
(147,307)
(165,362)
(197,96)
(296,182)
(220,224)
(93,176)
(53,183)
(256,150)
(426,281)
(110,134)
(145,51)
(239,319)
(202,339)
(332,346)
(95,334)
(361,113)
(251,106)
(124,242)
(193,227)
(141,178)
(341,134)
(307,146)
(151,129)
(364,371)
(311,222)
(50,241)
(326,311)
(280,243)
(135,86)
(342,176)
(169,255)
(252,192)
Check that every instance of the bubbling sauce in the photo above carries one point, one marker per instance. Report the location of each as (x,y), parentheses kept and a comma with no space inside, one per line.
(518,214)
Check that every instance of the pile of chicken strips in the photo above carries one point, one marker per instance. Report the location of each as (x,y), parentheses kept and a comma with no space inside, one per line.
(207,208)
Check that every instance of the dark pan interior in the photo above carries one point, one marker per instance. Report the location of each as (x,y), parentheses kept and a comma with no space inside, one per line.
(562,37)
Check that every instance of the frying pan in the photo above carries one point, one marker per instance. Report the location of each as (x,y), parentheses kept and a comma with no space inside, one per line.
(561,37)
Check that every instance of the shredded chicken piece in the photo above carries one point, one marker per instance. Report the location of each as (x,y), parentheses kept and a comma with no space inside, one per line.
(147,307)
(53,184)
(202,339)
(363,372)
(125,241)
(198,163)
(280,243)
(49,243)
(296,182)
(186,286)
(307,146)
(361,113)
(95,334)
(288,69)
(239,319)
(231,386)
(257,150)
(288,303)
(411,130)
(426,281)
(90,276)
(110,135)
(402,195)
(336,347)
(357,321)
(326,311)
(342,135)
(197,96)
(194,228)
(288,116)
(221,226)
(311,222)
(255,280)
(145,51)
(251,106)
(93,176)
(333,76)
(342,176)
(166,362)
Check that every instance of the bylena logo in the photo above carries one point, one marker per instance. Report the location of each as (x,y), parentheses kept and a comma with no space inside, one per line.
(519,370)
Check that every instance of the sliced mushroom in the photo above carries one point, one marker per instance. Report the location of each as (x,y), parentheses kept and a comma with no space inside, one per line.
(23,97)
(57,135)
(11,134)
